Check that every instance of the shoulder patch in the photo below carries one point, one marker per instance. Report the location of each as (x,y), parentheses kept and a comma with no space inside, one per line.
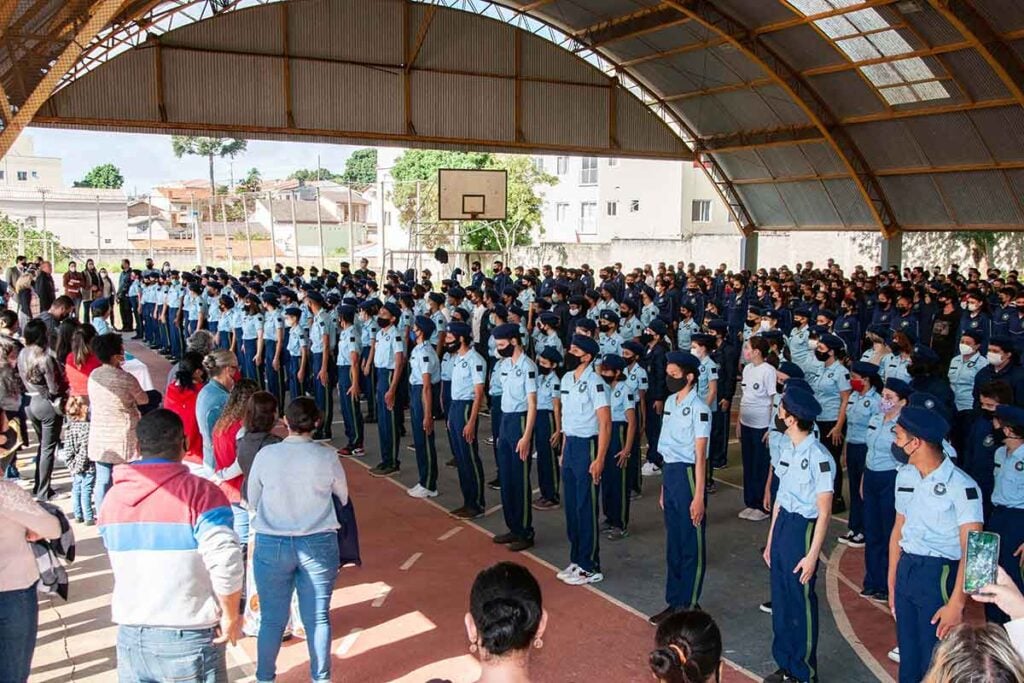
(531,374)
(704,417)
(825,466)
(972,493)
(600,388)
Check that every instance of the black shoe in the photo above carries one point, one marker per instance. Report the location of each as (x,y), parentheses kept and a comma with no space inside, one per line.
(766,607)
(383,471)
(880,596)
(468,513)
(661,616)
(780,676)
(457,512)
(505,539)
(494,484)
(711,487)
(520,544)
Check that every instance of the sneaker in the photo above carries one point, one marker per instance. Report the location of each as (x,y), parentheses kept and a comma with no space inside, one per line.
(505,539)
(417,491)
(780,676)
(711,487)
(344,450)
(411,447)
(520,544)
(757,516)
(846,538)
(468,513)
(457,512)
(881,597)
(79,519)
(745,513)
(494,484)
(894,654)
(567,572)
(545,504)
(90,522)
(635,495)
(606,527)
(615,534)
(867,593)
(358,451)
(383,471)
(661,616)
(489,441)
(766,607)
(650,470)
(583,577)
(857,541)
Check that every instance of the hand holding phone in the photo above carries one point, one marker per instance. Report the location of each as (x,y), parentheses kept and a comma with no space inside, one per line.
(982,560)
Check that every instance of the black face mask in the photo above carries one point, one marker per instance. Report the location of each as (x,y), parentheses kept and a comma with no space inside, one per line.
(646,339)
(998,437)
(780,424)
(507,352)
(383,322)
(675,384)
(572,362)
(453,347)
(780,387)
(543,370)
(917,370)
(609,379)
(821,355)
(899,454)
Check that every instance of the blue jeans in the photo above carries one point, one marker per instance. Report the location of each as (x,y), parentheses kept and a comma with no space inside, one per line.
(148,654)
(104,480)
(241,522)
(81,494)
(19,622)
(309,566)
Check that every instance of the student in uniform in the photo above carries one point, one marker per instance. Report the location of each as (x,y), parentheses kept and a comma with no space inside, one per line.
(468,371)
(518,377)
(270,348)
(252,325)
(685,431)
(653,339)
(963,368)
(586,426)
(226,326)
(799,525)
(832,390)
(866,385)
(879,488)
(349,355)
(547,432)
(614,482)
(1007,518)
(424,381)
(759,380)
(389,362)
(238,345)
(548,338)
(608,340)
(367,376)
(298,352)
(936,505)
(636,379)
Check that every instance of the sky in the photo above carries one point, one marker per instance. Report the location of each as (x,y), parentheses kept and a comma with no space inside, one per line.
(147,160)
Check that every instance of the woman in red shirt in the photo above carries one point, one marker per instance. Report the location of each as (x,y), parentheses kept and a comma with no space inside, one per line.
(181,399)
(81,361)
(225,433)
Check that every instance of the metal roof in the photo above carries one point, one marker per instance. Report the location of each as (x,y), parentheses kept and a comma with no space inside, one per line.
(806,114)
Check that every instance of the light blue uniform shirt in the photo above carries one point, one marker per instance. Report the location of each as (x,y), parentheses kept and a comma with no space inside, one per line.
(272,322)
(828,385)
(1009,488)
(389,343)
(961,378)
(447,361)
(609,344)
(552,340)
(620,400)
(647,314)
(799,350)
(467,371)
(518,381)
(776,438)
(440,325)
(101,326)
(251,325)
(896,366)
(213,311)
(636,379)
(859,411)
(368,330)
(348,342)
(580,401)
(135,288)
(805,471)
(935,507)
(494,385)
(423,361)
(630,328)
(687,328)
(547,391)
(708,372)
(298,339)
(318,327)
(879,436)
(682,423)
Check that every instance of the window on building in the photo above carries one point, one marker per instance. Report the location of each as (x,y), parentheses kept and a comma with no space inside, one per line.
(2,174)
(561,211)
(387,218)
(588,171)
(22,175)
(613,208)
(634,206)
(588,218)
(562,165)
(613,162)
(35,175)
(538,163)
(701,211)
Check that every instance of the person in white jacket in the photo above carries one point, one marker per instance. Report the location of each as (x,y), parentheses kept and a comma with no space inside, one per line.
(1005,595)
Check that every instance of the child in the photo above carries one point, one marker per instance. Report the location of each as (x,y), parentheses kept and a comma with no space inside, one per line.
(76,455)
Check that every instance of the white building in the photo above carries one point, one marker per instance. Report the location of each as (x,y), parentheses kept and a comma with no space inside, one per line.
(21,169)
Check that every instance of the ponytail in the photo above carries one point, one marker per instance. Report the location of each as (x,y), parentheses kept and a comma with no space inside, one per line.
(689,649)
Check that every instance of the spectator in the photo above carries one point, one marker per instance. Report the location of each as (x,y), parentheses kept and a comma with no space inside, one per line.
(100,310)
(26,299)
(124,306)
(73,283)
(44,285)
(12,392)
(59,309)
(225,432)
(9,324)
(90,289)
(182,393)
(81,361)
(258,425)
(290,487)
(47,388)
(107,288)
(115,396)
(689,649)
(1005,595)
(16,270)
(506,619)
(76,455)
(177,590)
(22,520)
(201,342)
(221,367)
(979,653)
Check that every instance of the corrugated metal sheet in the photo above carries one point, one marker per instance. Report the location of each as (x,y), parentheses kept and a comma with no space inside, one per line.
(707,115)
(932,26)
(639,129)
(981,198)
(887,144)
(1007,15)
(491,50)
(1003,131)
(915,200)
(766,206)
(809,203)
(323,98)
(542,59)
(849,202)
(347,29)
(131,76)
(803,48)
(934,133)
(579,120)
(847,94)
(786,161)
(975,75)
(664,79)
(745,68)
(244,31)
(743,165)
(754,14)
(703,68)
(787,111)
(665,39)
(224,89)
(823,158)
(441,106)
(750,109)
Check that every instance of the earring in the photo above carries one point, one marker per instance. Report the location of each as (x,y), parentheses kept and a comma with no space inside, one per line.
(538,643)
(472,647)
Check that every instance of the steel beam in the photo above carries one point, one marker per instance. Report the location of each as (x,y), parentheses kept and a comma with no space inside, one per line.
(643,21)
(802,20)
(814,107)
(735,142)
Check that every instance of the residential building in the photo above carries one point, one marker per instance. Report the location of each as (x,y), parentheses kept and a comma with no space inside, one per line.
(21,169)
(82,219)
(178,200)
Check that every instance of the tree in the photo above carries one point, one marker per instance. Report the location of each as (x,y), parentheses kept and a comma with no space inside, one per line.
(524,208)
(252,182)
(36,242)
(105,176)
(361,167)
(309,175)
(209,148)
(981,244)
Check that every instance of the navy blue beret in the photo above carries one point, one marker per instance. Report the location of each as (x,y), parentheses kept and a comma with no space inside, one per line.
(587,324)
(925,354)
(613,362)
(315,296)
(801,404)
(425,324)
(684,359)
(634,347)
(610,316)
(925,424)
(506,331)
(791,369)
(460,329)
(586,344)
(899,387)
(658,326)
(552,354)
(863,368)
(393,309)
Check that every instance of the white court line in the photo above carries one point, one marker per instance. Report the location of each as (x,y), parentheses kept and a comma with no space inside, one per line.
(410,562)
(381,597)
(451,532)
(347,642)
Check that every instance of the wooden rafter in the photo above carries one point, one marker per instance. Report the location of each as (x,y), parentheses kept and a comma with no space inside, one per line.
(682,49)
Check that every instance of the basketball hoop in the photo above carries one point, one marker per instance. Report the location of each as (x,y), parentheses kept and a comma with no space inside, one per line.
(472,194)
(474,205)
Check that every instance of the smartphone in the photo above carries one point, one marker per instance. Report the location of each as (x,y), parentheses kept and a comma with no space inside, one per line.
(982,560)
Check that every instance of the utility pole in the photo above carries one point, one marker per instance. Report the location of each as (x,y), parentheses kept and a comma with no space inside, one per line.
(248,231)
(295,228)
(149,203)
(320,228)
(273,232)
(99,240)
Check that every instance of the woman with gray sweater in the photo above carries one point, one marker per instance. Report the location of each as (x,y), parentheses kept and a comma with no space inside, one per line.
(47,388)
(290,487)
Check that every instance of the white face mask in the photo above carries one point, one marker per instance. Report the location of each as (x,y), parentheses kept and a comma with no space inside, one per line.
(697,351)
(995,358)
(966,349)
(574,311)
(973,307)
(765,325)
(812,344)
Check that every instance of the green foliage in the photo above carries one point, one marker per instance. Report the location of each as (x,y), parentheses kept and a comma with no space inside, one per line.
(981,244)
(37,242)
(104,176)
(309,175)
(252,182)
(524,204)
(210,148)
(361,167)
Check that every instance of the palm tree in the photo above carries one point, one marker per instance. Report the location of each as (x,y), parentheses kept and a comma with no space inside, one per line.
(209,148)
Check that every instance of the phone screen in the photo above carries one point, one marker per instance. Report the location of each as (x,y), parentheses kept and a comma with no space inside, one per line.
(982,560)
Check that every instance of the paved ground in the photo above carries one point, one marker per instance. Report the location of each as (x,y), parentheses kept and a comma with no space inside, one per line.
(419,563)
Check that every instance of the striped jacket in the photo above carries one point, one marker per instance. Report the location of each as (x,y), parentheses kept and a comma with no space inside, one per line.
(171,545)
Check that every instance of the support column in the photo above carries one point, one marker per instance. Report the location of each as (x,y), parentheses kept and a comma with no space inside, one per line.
(892,251)
(748,251)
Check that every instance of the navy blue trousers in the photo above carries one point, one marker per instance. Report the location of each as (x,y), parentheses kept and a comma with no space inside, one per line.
(856,455)
(879,519)
(756,463)
(239,347)
(794,605)
(368,385)
(653,432)
(224,339)
(614,485)
(351,411)
(685,545)
(295,387)
(514,474)
(923,585)
(249,369)
(634,482)
(275,378)
(322,395)
(719,444)
(444,400)
(1009,524)
(495,408)
(387,420)
(579,497)
(548,471)
(467,456)
(426,451)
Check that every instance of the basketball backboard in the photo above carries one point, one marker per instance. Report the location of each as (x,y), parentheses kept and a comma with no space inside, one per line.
(472,195)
